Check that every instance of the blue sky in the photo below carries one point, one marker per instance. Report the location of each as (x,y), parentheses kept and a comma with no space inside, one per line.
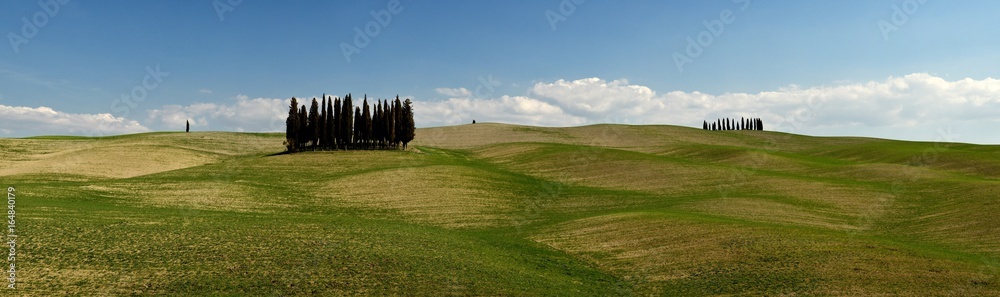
(231,65)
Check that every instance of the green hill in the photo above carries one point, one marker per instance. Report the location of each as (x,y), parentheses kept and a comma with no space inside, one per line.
(492,209)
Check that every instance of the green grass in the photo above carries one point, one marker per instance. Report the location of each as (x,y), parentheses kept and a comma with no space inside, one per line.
(492,209)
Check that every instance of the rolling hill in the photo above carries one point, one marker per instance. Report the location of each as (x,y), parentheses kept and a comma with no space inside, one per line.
(494,209)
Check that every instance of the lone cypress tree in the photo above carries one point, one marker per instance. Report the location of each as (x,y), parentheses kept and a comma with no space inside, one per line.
(187,126)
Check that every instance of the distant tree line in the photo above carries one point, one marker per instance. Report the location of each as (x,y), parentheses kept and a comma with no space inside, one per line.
(338,124)
(733,124)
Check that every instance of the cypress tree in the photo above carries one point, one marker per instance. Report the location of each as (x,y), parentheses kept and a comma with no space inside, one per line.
(390,128)
(329,124)
(366,117)
(187,126)
(357,128)
(303,135)
(376,134)
(290,125)
(397,121)
(338,121)
(704,125)
(409,127)
(382,132)
(322,122)
(313,130)
(380,124)
(348,120)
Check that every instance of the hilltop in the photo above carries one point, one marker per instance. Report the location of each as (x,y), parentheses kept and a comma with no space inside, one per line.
(489,209)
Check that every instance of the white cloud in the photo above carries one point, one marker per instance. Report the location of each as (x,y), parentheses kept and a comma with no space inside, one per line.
(244,114)
(506,109)
(459,92)
(913,102)
(598,99)
(915,106)
(22,121)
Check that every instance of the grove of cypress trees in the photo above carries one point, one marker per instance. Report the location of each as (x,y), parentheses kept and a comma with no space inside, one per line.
(335,123)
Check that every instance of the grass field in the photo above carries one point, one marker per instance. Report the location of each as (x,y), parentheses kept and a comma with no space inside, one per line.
(491,209)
